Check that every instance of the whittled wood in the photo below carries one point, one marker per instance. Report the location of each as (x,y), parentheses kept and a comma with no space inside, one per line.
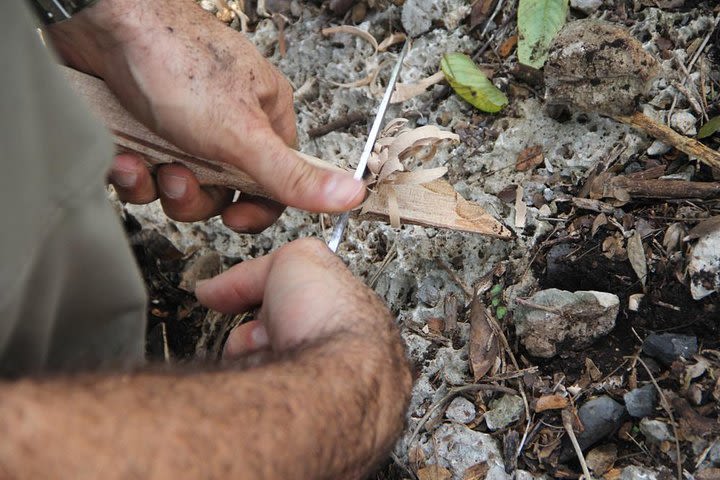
(435,204)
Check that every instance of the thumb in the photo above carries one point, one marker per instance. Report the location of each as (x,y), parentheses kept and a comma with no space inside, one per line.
(292,180)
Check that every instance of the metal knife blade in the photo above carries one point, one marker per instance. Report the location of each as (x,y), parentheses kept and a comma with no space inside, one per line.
(342,221)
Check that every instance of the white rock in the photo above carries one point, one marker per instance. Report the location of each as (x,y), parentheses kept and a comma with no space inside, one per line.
(586,6)
(684,122)
(634,301)
(457,448)
(418,15)
(658,148)
(461,410)
(704,266)
(655,431)
(637,473)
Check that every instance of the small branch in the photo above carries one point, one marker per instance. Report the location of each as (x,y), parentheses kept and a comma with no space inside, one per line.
(567,423)
(687,145)
(667,188)
(338,124)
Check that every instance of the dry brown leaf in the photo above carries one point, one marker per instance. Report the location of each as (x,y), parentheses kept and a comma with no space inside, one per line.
(613,474)
(600,221)
(708,474)
(703,228)
(614,247)
(636,255)
(592,370)
(477,472)
(602,458)
(551,402)
(480,12)
(520,208)
(673,237)
(406,91)
(507,46)
(434,472)
(349,29)
(484,346)
(529,158)
(390,40)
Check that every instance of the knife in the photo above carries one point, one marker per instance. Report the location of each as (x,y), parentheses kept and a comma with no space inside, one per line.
(342,221)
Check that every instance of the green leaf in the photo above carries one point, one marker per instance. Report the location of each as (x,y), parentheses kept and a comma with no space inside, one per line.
(496,290)
(471,84)
(538,23)
(501,312)
(495,302)
(712,126)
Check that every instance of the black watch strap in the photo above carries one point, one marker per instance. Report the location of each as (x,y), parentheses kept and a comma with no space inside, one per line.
(53,11)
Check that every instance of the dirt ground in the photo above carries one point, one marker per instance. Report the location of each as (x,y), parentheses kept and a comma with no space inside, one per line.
(427,276)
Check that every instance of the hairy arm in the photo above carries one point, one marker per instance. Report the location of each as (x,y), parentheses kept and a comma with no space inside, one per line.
(329,410)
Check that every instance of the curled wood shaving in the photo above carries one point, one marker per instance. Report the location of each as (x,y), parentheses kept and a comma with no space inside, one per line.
(390,40)
(349,29)
(406,91)
(396,143)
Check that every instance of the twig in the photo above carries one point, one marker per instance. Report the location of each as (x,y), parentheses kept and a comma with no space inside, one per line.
(338,124)
(703,44)
(498,7)
(666,406)
(567,423)
(469,293)
(452,393)
(386,261)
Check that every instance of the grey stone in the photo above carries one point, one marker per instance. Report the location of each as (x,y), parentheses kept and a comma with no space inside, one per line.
(668,347)
(655,431)
(704,266)
(504,411)
(588,7)
(457,448)
(600,416)
(658,148)
(684,121)
(714,454)
(418,16)
(574,319)
(641,402)
(461,410)
(637,473)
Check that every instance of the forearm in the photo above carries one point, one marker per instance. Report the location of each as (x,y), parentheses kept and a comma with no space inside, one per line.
(323,412)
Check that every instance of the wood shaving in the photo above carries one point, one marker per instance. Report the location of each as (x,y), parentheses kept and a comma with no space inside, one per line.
(406,91)
(349,29)
(390,40)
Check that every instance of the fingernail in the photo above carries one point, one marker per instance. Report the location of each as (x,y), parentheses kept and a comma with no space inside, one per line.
(173,186)
(341,190)
(259,337)
(123,178)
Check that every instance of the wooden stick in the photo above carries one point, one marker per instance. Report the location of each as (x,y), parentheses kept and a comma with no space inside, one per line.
(434,204)
(687,145)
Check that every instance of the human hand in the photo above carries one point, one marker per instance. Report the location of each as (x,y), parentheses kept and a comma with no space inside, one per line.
(306,293)
(205,88)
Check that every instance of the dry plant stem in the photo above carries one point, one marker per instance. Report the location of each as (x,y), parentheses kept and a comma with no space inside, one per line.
(452,393)
(433,204)
(668,409)
(567,423)
(687,145)
(337,124)
(667,188)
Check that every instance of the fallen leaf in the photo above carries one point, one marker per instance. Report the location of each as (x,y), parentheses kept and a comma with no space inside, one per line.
(673,237)
(477,472)
(471,84)
(592,370)
(600,221)
(434,472)
(484,344)
(551,402)
(706,227)
(480,12)
(506,47)
(613,474)
(529,158)
(538,22)
(712,126)
(349,29)
(602,458)
(406,91)
(507,194)
(436,325)
(636,255)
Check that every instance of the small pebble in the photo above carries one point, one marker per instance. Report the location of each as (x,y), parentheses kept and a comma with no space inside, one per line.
(586,6)
(658,148)
(641,402)
(461,410)
(684,122)
(655,431)
(668,347)
(504,411)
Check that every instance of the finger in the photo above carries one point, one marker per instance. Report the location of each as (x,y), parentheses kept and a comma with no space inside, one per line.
(184,200)
(132,180)
(288,178)
(237,289)
(251,214)
(246,338)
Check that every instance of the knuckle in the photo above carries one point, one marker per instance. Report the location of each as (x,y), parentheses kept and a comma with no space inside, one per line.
(300,179)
